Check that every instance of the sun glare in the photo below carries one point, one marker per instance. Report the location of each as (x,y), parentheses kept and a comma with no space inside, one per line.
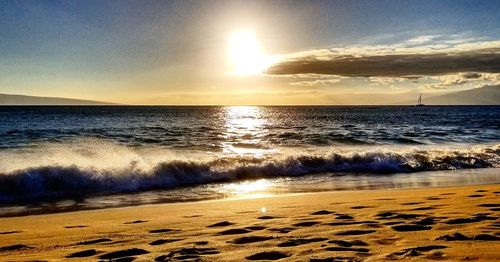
(250,189)
(246,55)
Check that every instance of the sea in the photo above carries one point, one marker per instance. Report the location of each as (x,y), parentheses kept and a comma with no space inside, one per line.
(66,158)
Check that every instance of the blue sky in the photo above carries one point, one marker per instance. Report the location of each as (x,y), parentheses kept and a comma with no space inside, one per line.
(164,51)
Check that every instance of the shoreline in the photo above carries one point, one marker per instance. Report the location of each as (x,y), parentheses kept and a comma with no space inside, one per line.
(390,223)
(295,185)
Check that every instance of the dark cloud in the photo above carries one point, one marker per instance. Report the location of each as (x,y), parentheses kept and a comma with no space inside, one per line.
(394,65)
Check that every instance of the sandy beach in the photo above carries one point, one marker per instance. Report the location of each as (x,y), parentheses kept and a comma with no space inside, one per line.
(451,223)
(249,130)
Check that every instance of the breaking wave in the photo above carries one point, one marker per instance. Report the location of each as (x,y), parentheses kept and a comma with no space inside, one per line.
(60,179)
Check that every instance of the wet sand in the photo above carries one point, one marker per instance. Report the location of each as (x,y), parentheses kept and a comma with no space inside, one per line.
(448,223)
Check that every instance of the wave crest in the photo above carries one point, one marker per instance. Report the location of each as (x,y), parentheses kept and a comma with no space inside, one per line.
(58,181)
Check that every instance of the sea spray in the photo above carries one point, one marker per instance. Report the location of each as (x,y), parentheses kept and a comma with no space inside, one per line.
(64,179)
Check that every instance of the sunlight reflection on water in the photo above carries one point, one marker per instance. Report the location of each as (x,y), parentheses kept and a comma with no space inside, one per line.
(245,129)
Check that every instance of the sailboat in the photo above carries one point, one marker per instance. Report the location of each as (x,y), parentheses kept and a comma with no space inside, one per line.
(419,103)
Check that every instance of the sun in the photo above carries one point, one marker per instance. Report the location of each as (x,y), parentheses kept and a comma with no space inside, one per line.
(245,54)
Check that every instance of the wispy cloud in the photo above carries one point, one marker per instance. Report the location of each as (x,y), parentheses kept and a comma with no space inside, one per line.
(447,81)
(422,39)
(317,82)
(386,80)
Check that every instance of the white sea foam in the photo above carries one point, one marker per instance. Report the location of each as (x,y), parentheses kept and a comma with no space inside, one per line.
(90,166)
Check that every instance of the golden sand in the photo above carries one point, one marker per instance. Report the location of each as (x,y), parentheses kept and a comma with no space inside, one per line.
(455,224)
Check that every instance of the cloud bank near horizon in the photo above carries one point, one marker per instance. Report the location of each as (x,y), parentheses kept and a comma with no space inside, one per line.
(393,61)
(442,62)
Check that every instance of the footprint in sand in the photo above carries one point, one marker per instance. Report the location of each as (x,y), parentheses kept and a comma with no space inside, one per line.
(322,212)
(345,243)
(10,232)
(374,225)
(250,239)
(347,223)
(135,222)
(14,247)
(266,217)
(465,220)
(163,230)
(486,237)
(412,203)
(255,228)
(454,237)
(94,241)
(78,226)
(426,221)
(283,230)
(434,198)
(423,208)
(360,207)
(164,241)
(221,224)
(410,227)
(488,205)
(344,216)
(234,231)
(335,259)
(83,253)
(395,215)
(268,255)
(353,249)
(306,224)
(461,237)
(428,248)
(413,252)
(124,253)
(495,226)
(476,195)
(190,254)
(354,232)
(485,216)
(301,241)
(192,216)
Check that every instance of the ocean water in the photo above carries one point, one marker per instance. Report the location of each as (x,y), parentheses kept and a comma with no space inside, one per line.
(65,158)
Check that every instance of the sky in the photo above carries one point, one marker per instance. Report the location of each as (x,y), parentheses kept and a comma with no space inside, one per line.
(246,52)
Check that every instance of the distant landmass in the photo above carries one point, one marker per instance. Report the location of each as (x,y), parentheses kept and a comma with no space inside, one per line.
(6,99)
(488,95)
